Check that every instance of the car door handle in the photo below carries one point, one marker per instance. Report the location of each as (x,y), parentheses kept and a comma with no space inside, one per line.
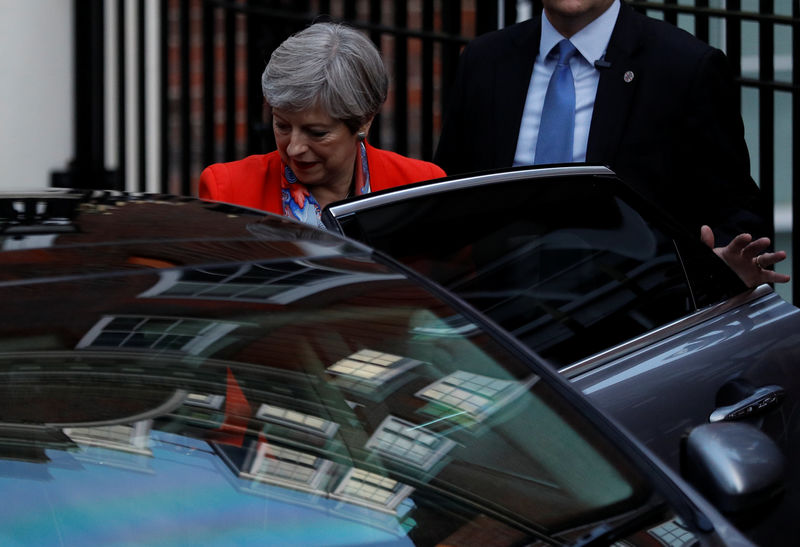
(762,400)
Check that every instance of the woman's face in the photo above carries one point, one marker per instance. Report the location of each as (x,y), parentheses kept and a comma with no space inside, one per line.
(320,150)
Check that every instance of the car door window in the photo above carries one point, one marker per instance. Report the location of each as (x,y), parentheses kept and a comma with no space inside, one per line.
(567,266)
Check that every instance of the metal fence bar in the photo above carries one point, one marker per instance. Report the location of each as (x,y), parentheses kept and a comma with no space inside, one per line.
(766,108)
(87,168)
(184,108)
(375,17)
(400,88)
(350,10)
(163,96)
(795,36)
(733,8)
(733,43)
(485,17)
(428,78)
(510,11)
(670,16)
(451,24)
(208,150)
(230,85)
(701,22)
(255,101)
(141,97)
(122,141)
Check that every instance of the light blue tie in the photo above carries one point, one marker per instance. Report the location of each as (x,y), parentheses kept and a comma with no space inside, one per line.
(557,125)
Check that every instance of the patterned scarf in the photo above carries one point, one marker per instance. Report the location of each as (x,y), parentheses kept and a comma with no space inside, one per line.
(299,203)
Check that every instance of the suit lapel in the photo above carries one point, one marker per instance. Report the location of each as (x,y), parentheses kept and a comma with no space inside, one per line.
(512,74)
(616,88)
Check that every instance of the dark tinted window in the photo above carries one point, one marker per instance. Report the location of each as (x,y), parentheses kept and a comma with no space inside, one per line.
(565,264)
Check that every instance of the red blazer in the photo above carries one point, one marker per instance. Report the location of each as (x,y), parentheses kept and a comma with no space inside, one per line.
(255,181)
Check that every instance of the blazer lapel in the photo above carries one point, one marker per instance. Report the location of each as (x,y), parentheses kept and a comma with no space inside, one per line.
(616,89)
(512,76)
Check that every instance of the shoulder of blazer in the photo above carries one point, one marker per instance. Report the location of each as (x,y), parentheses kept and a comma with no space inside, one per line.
(242,181)
(636,33)
(497,43)
(251,166)
(389,169)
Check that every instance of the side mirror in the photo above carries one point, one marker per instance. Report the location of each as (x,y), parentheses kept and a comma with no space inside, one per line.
(736,466)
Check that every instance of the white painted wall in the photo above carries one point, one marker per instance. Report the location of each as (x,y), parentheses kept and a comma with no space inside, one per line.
(36,90)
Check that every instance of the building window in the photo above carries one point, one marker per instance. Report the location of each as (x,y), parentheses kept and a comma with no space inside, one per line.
(288,468)
(408,443)
(473,395)
(152,333)
(282,283)
(133,439)
(297,420)
(372,490)
(372,367)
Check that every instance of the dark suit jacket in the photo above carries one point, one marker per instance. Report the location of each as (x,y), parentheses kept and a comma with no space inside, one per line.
(674,131)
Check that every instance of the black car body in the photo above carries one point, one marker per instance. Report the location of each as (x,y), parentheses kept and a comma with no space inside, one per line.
(185,372)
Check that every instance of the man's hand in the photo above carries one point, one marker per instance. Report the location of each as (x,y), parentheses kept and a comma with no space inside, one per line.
(747,258)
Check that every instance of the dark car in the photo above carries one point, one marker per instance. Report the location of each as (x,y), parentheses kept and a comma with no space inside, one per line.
(640,315)
(177,371)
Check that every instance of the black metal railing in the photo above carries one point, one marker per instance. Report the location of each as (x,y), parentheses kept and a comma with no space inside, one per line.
(765,22)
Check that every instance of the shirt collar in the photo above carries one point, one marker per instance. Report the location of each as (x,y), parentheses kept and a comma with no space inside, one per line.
(591,41)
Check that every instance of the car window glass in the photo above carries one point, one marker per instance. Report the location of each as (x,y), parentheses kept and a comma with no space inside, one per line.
(565,265)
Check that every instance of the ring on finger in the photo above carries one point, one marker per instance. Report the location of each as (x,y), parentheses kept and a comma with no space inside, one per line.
(758,262)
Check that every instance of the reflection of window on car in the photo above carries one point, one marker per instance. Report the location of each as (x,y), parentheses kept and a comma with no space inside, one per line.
(132,439)
(409,443)
(171,334)
(297,420)
(567,265)
(472,396)
(281,283)
(373,490)
(370,368)
(288,467)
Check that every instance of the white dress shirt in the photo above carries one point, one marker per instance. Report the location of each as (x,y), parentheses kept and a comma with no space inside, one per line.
(591,43)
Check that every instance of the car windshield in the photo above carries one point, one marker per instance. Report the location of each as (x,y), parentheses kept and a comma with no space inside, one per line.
(323,400)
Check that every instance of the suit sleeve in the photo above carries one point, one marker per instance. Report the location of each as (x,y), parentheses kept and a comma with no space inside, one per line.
(453,130)
(209,184)
(435,172)
(732,203)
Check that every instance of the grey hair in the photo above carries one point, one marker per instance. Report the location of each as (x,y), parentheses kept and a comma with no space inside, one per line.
(330,65)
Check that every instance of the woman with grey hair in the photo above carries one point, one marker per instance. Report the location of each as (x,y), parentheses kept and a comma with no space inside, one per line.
(324,86)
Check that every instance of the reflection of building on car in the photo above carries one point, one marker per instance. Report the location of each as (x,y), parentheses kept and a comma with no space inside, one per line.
(272,374)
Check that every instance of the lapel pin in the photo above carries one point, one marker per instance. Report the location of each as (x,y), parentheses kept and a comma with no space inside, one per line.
(628,77)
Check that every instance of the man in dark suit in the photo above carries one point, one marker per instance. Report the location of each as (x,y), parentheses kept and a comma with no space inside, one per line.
(655,104)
